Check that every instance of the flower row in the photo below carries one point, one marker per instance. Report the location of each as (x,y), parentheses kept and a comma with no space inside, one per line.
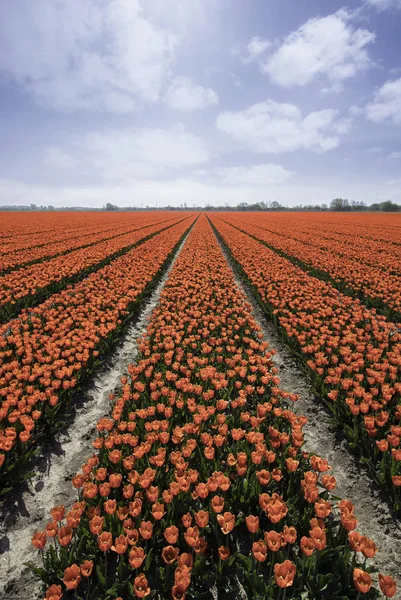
(32,284)
(47,351)
(353,354)
(200,485)
(44,246)
(349,269)
(373,240)
(20,229)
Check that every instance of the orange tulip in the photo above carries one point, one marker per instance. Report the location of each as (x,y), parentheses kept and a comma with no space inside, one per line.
(259,550)
(141,587)
(72,577)
(284,573)
(39,540)
(54,592)
(136,557)
(170,554)
(224,552)
(86,568)
(105,541)
(226,522)
(307,546)
(65,535)
(252,523)
(362,581)
(387,585)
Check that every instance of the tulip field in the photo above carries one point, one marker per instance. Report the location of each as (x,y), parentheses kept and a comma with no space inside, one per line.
(198,483)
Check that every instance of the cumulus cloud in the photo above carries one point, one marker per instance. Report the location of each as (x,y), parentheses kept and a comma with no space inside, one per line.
(255,49)
(394,155)
(94,55)
(356,111)
(273,128)
(381,5)
(56,158)
(328,49)
(254,175)
(176,192)
(387,103)
(129,154)
(375,150)
(184,94)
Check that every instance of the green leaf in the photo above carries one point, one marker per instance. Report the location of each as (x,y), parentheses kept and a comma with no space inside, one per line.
(148,559)
(100,575)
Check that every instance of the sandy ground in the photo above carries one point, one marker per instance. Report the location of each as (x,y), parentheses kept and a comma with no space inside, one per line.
(28,510)
(376,518)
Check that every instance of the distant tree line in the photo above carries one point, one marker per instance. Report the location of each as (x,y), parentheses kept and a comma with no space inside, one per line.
(336,205)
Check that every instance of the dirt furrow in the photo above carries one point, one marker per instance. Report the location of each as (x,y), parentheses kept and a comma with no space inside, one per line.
(376,519)
(28,510)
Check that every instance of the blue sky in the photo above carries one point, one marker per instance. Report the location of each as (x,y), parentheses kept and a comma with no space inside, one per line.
(145,102)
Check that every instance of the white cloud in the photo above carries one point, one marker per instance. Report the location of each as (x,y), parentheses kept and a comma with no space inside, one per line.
(254,175)
(235,79)
(381,5)
(387,103)
(375,150)
(274,128)
(128,154)
(95,55)
(56,158)
(184,94)
(255,49)
(329,49)
(356,111)
(190,191)
(395,155)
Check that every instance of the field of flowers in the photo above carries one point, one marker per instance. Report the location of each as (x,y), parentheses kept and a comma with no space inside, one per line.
(27,286)
(45,352)
(368,269)
(22,250)
(200,484)
(352,353)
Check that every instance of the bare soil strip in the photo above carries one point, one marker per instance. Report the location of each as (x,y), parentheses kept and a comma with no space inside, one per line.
(29,510)
(376,519)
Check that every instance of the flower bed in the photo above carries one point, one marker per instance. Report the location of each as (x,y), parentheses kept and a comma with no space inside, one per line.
(353,355)
(348,268)
(30,285)
(47,352)
(200,485)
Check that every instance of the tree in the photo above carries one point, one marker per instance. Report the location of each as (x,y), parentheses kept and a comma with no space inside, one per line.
(110,206)
(388,206)
(357,205)
(276,205)
(339,204)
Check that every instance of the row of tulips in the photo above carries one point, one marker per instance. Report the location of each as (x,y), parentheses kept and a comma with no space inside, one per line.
(17,228)
(31,285)
(352,354)
(365,227)
(44,246)
(349,271)
(374,242)
(47,352)
(200,486)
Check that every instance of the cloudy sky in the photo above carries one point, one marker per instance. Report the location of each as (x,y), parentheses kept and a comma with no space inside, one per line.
(145,102)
